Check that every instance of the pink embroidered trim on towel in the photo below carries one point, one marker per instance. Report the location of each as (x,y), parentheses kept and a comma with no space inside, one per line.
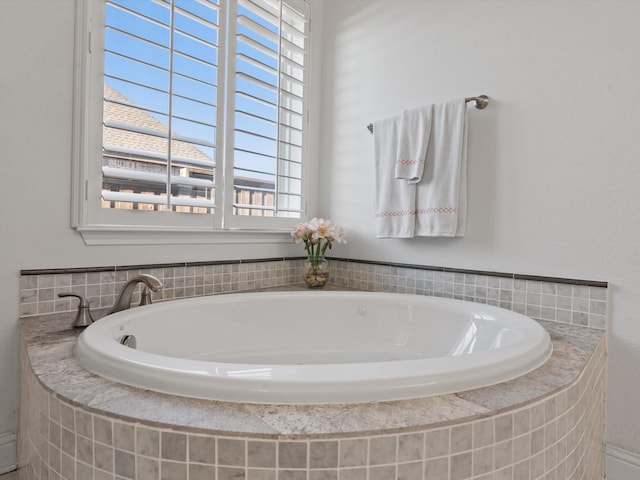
(408,162)
(420,211)
(425,211)
(396,214)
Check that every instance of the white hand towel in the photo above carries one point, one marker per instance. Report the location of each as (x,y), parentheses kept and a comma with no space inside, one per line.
(413,140)
(395,199)
(441,196)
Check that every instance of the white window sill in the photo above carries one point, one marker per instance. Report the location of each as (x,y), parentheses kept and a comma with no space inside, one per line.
(126,235)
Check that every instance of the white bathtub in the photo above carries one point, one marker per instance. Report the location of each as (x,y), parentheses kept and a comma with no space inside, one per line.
(314,347)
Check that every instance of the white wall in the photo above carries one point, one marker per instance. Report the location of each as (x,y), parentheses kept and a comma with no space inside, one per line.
(36,75)
(554,161)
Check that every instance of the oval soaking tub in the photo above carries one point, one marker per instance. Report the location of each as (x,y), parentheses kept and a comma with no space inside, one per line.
(313,347)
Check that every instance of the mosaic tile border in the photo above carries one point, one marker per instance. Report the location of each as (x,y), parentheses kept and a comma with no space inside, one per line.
(559,437)
(578,302)
(542,298)
(39,289)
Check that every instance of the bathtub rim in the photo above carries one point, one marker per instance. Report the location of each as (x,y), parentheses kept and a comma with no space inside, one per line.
(330,384)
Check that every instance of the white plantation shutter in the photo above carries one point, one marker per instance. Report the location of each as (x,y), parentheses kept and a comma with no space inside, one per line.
(202,106)
(271,55)
(160,105)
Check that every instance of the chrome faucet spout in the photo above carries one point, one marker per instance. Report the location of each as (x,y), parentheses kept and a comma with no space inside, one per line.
(124,298)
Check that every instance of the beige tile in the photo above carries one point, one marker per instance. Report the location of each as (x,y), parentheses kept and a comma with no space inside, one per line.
(323,454)
(231,452)
(124,436)
(382,450)
(483,433)
(148,442)
(461,438)
(436,443)
(292,455)
(202,449)
(353,453)
(410,447)
(173,446)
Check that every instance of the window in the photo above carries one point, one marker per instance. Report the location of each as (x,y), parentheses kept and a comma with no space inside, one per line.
(192,114)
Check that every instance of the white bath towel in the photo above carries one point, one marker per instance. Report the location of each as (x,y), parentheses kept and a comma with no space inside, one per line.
(395,199)
(413,140)
(441,196)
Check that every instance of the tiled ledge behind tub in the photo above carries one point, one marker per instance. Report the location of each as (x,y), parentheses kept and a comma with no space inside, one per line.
(563,300)
(579,302)
(39,289)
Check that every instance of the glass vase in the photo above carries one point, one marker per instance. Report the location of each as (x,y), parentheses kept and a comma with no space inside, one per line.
(316,273)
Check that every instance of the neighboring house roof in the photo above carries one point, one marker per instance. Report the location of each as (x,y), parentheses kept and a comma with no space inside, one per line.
(142,137)
(119,110)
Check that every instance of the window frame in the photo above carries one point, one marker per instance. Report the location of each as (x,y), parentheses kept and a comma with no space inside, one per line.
(100,226)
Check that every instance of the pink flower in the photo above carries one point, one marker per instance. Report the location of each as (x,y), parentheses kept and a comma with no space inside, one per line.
(318,235)
(337,233)
(300,233)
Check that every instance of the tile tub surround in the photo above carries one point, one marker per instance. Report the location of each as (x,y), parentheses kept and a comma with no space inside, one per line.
(577,302)
(78,426)
(39,289)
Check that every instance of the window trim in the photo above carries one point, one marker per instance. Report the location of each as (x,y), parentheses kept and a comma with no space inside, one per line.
(239,230)
(127,235)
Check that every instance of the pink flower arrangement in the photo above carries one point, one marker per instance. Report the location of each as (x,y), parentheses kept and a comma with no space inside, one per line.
(318,234)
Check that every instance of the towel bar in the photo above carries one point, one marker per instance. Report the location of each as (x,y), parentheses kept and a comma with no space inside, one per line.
(481,102)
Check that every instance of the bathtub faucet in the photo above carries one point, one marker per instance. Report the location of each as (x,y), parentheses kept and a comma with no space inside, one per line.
(124,299)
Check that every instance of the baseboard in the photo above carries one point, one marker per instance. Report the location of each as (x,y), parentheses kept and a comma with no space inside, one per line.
(8,461)
(621,464)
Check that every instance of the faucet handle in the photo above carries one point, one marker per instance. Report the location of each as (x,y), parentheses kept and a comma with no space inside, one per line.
(83,316)
(145,297)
